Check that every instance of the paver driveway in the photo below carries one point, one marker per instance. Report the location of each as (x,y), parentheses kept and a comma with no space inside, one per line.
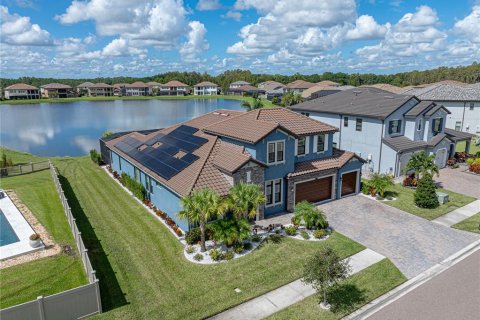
(459,181)
(413,244)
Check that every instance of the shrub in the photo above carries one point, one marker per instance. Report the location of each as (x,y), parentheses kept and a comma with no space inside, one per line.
(291,231)
(178,232)
(380,182)
(256,238)
(190,249)
(305,235)
(389,198)
(193,236)
(134,186)
(469,161)
(228,255)
(475,167)
(247,246)
(425,195)
(95,156)
(216,254)
(380,198)
(198,257)
(310,215)
(275,238)
(238,247)
(365,188)
(319,233)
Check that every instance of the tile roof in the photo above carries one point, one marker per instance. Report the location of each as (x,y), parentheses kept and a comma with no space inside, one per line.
(240,82)
(437,139)
(420,108)
(206,84)
(336,161)
(175,83)
(254,125)
(300,84)
(402,143)
(317,88)
(248,88)
(21,86)
(435,109)
(328,83)
(455,135)
(56,86)
(271,85)
(154,84)
(137,84)
(85,84)
(384,86)
(446,92)
(369,102)
(100,85)
(231,157)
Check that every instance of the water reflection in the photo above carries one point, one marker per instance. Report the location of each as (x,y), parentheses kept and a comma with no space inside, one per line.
(71,129)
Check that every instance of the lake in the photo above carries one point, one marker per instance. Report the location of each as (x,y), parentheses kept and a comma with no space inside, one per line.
(73,128)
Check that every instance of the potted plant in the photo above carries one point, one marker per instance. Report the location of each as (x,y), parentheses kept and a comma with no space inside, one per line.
(35,240)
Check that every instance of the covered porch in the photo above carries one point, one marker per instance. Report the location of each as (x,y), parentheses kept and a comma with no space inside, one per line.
(459,136)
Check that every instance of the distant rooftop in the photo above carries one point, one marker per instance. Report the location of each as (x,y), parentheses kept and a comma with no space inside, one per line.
(446,92)
(300,84)
(21,86)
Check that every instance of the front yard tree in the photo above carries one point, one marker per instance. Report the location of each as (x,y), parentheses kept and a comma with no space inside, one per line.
(323,270)
(425,195)
(201,206)
(244,200)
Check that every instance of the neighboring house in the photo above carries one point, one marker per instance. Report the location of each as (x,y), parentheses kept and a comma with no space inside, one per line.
(298,86)
(174,88)
(272,89)
(138,88)
(21,91)
(56,90)
(328,83)
(100,90)
(238,84)
(246,90)
(82,89)
(463,101)
(154,88)
(119,89)
(385,128)
(205,88)
(386,87)
(289,155)
(320,90)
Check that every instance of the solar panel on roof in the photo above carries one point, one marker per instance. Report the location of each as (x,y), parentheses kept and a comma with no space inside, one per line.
(189,158)
(186,129)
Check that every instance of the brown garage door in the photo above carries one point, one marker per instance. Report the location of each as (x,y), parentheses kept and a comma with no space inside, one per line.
(349,183)
(314,190)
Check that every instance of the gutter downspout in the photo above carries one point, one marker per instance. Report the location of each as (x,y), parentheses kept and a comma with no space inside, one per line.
(396,165)
(340,133)
(381,145)
(463,115)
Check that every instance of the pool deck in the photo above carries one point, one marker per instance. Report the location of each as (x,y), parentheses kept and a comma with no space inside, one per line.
(22,229)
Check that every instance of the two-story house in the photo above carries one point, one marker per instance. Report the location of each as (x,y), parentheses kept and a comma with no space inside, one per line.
(298,86)
(21,91)
(385,128)
(290,155)
(205,88)
(136,89)
(174,88)
(56,90)
(100,90)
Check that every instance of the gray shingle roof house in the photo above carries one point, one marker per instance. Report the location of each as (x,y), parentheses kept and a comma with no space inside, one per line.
(291,156)
(463,101)
(385,128)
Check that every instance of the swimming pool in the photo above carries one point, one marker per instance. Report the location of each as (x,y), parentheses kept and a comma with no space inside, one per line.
(7,235)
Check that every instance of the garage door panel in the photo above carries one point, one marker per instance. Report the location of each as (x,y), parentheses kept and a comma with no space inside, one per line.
(349,183)
(314,190)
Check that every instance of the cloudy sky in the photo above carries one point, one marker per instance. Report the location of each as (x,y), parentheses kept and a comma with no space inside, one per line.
(90,38)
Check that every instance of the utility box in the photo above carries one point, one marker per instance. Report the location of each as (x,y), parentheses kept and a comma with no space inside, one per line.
(442,197)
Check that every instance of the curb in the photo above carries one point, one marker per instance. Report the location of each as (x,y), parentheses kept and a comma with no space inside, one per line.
(395,294)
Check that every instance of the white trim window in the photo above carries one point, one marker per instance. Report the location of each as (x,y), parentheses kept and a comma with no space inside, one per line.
(302,146)
(273,192)
(394,126)
(320,143)
(276,152)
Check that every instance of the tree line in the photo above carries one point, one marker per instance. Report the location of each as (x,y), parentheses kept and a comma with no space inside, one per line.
(467,74)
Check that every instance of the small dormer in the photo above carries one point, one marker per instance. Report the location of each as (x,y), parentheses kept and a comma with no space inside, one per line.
(435,121)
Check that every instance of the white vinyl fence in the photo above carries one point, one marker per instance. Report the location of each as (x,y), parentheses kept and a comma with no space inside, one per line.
(75,303)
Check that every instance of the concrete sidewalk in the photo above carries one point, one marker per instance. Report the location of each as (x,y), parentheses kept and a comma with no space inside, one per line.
(278,299)
(459,214)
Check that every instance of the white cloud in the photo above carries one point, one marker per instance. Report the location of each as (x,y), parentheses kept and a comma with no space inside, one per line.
(367,28)
(18,30)
(196,42)
(469,26)
(121,47)
(235,15)
(205,5)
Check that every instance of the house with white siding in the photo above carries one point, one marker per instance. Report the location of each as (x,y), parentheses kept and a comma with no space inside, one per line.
(137,89)
(386,128)
(205,88)
(21,91)
(174,88)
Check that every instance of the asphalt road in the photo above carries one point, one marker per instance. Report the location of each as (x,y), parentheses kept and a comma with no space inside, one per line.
(453,294)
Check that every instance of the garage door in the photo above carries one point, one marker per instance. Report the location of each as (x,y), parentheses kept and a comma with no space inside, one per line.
(314,190)
(349,183)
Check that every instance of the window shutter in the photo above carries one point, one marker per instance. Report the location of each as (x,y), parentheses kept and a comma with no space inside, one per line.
(325,142)
(315,143)
(390,124)
(307,144)
(296,147)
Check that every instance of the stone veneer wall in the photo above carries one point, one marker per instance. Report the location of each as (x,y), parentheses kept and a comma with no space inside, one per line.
(257,177)
(316,175)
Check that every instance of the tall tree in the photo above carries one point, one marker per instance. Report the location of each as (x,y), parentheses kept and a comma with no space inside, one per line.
(244,200)
(201,206)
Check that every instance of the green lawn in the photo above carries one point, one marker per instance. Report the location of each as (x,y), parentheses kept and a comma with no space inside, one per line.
(266,102)
(471,224)
(141,267)
(351,294)
(48,275)
(405,202)
(473,148)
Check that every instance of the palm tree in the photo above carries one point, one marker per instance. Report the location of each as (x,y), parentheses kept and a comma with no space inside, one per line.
(256,103)
(244,199)
(311,216)
(201,206)
(420,161)
(231,230)
(380,182)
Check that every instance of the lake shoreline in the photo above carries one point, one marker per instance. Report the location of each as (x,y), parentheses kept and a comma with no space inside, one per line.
(266,102)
